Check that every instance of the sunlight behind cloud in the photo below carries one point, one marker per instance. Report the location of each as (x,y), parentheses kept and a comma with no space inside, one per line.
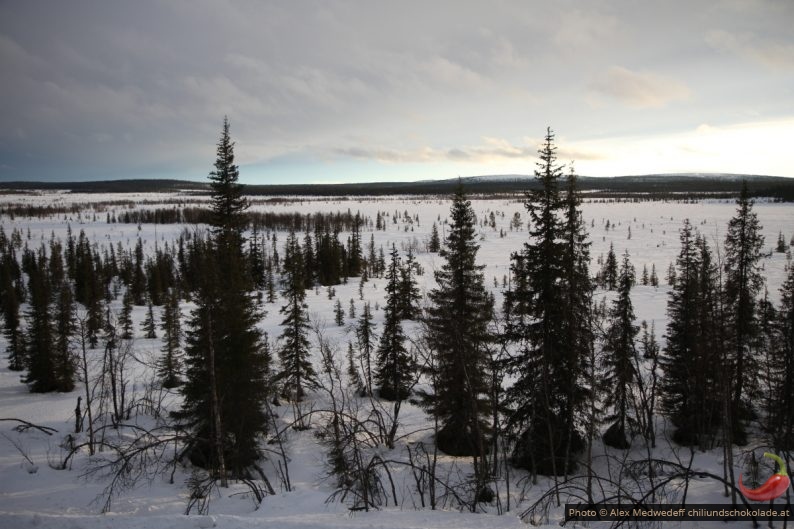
(752,148)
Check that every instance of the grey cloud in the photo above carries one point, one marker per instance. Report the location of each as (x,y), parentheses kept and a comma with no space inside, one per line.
(774,54)
(640,89)
(149,82)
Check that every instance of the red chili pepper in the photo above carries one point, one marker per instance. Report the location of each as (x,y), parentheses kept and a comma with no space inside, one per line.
(774,487)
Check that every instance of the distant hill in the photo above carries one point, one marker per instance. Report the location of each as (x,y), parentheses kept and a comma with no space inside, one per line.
(716,184)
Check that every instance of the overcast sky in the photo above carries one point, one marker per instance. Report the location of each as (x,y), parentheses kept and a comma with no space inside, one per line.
(394,90)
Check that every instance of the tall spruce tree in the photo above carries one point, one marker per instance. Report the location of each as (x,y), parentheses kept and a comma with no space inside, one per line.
(169,365)
(409,290)
(694,383)
(458,335)
(743,283)
(619,359)
(544,406)
(366,339)
(226,362)
(42,375)
(577,291)
(395,366)
(9,276)
(780,401)
(297,372)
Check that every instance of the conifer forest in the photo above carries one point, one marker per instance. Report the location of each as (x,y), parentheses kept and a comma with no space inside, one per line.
(187,358)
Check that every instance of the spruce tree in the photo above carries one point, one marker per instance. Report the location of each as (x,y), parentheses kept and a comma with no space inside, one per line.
(148,324)
(781,243)
(409,291)
(353,376)
(693,386)
(458,335)
(654,277)
(256,259)
(435,241)
(577,314)
(339,313)
(9,274)
(609,273)
(226,361)
(170,322)
(395,366)
(309,262)
(297,372)
(743,283)
(365,336)
(42,376)
(619,359)
(545,399)
(780,401)
(125,316)
(354,255)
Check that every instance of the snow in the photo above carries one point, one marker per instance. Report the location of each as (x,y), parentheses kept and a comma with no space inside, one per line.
(50,498)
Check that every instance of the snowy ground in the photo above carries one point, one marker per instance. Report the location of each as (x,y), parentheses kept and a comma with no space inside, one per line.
(32,494)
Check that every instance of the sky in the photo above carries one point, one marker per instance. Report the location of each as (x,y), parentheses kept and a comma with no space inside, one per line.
(354,91)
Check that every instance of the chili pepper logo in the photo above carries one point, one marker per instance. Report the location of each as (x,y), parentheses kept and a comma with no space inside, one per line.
(774,487)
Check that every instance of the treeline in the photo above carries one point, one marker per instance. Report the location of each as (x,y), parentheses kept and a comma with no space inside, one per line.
(33,211)
(292,221)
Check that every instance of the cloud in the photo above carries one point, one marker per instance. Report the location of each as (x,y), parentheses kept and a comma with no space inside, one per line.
(639,89)
(581,32)
(773,54)
(489,151)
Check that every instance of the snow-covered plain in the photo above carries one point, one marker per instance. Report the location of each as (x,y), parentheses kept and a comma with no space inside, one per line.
(33,494)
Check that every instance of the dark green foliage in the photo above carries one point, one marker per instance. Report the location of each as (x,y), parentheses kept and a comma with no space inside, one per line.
(780,400)
(65,327)
(138,282)
(743,283)
(309,262)
(339,313)
(169,365)
(226,361)
(330,259)
(693,386)
(619,359)
(781,243)
(355,259)
(654,278)
(297,372)
(148,324)
(256,259)
(395,367)
(125,317)
(228,202)
(457,333)
(10,277)
(353,376)
(365,337)
(88,286)
(549,319)
(435,241)
(609,273)
(48,358)
(408,290)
